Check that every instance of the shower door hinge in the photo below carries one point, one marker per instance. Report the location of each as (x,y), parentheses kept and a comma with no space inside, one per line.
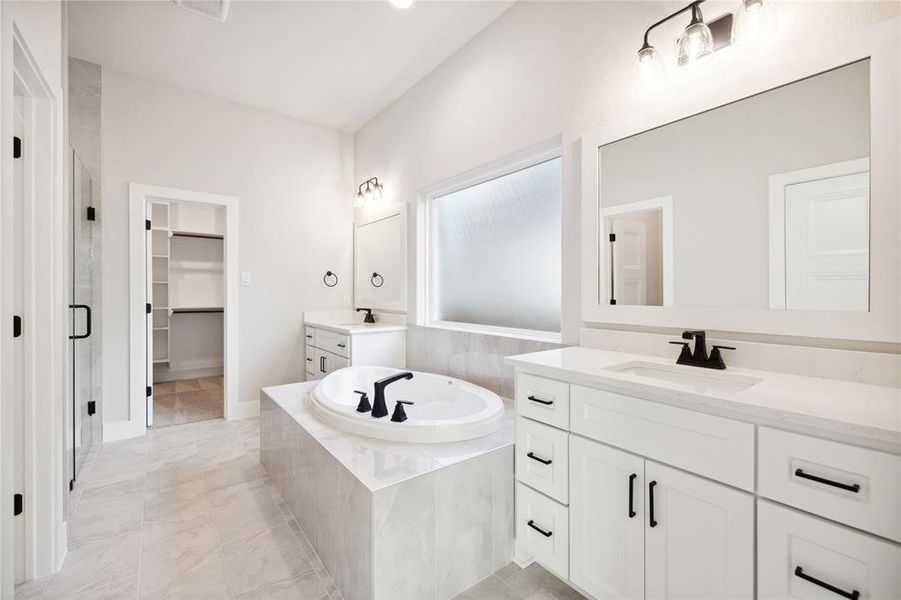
(17,326)
(612,237)
(148,307)
(149,391)
(17,147)
(71,484)
(147,224)
(92,407)
(92,214)
(17,505)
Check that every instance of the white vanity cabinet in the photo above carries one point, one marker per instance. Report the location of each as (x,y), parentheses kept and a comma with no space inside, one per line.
(327,351)
(628,497)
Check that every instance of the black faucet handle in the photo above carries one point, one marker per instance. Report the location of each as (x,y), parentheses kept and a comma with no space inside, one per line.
(399,415)
(364,405)
(715,347)
(716,359)
(685,355)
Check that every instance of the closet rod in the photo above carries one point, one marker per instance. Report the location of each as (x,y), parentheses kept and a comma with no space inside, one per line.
(197,310)
(210,236)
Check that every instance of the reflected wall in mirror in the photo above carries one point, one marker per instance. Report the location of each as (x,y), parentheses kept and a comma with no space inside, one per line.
(768,203)
(380,274)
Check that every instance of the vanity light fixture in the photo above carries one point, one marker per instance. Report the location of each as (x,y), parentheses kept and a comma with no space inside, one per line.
(756,19)
(368,191)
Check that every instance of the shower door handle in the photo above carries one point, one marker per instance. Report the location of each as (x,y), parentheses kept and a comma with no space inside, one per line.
(87,312)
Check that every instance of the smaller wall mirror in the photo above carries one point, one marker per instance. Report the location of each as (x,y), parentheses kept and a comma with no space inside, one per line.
(380,259)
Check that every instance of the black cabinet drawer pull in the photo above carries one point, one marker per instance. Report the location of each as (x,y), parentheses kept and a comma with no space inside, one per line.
(544,461)
(539,529)
(309,359)
(309,336)
(632,512)
(853,595)
(341,346)
(540,401)
(651,521)
(854,487)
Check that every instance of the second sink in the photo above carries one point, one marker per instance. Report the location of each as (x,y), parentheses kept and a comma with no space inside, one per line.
(679,375)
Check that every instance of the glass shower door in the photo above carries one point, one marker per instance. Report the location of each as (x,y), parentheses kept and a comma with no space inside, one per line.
(85,293)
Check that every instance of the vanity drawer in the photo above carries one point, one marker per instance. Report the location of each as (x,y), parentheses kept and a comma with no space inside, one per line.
(332,342)
(826,554)
(715,447)
(856,486)
(542,458)
(545,400)
(542,530)
(309,360)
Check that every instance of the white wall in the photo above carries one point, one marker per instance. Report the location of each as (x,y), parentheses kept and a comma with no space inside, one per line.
(546,69)
(295,188)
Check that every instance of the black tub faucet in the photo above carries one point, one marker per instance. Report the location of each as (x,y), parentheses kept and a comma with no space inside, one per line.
(379,409)
(699,357)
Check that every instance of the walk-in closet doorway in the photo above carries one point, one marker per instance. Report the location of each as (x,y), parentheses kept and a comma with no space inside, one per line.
(184,306)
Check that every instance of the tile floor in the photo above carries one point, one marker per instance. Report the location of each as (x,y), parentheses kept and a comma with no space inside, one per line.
(188,512)
(187,401)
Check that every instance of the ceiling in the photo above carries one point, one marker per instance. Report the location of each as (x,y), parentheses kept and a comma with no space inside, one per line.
(334,63)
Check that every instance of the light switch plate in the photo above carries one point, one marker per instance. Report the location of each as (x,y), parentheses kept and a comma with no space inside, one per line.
(246,278)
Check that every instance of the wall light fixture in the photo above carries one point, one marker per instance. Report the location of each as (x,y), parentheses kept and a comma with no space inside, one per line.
(369,191)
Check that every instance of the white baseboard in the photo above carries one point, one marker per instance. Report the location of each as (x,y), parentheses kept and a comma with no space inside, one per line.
(244,410)
(122,430)
(170,374)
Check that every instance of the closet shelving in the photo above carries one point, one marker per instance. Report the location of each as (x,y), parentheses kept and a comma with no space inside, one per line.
(160,259)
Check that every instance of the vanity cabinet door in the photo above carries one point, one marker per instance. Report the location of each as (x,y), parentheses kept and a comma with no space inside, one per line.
(699,537)
(607,520)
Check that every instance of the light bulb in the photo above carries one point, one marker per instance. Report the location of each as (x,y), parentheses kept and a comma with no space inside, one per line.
(401,4)
(695,45)
(376,192)
(649,71)
(756,20)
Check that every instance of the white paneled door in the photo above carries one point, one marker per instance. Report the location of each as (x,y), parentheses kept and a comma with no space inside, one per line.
(699,542)
(827,243)
(607,520)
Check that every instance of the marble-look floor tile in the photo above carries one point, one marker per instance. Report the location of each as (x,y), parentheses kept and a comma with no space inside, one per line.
(492,588)
(31,590)
(243,515)
(95,564)
(232,472)
(266,558)
(536,580)
(108,511)
(305,587)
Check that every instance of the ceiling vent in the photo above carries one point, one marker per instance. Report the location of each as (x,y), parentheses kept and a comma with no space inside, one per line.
(211,9)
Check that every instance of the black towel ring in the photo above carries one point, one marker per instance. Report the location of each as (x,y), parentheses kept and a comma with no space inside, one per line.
(379,277)
(325,279)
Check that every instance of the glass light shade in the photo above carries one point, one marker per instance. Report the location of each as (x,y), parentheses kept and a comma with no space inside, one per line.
(649,71)
(376,193)
(359,200)
(756,21)
(695,45)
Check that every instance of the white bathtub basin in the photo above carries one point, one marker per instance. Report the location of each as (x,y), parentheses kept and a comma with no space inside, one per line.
(445,409)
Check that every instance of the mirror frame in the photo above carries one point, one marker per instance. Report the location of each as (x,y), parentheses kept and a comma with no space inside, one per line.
(882,323)
(372,215)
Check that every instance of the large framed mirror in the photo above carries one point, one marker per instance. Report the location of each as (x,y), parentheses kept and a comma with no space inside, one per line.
(380,259)
(765,214)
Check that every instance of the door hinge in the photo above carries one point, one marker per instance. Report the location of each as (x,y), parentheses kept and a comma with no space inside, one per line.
(17,147)
(612,237)
(17,326)
(92,407)
(17,505)
(71,484)
(92,214)
(147,224)
(149,391)
(148,307)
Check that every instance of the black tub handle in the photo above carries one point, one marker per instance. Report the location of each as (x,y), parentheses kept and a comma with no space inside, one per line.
(544,461)
(87,312)
(539,529)
(851,487)
(540,401)
(853,594)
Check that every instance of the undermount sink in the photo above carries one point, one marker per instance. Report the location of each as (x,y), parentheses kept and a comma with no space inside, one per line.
(703,380)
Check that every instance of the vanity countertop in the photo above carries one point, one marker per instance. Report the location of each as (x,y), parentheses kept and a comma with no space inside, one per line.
(352,327)
(855,413)
(379,463)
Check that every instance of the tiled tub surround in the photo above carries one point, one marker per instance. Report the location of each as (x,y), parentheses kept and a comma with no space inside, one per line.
(389,519)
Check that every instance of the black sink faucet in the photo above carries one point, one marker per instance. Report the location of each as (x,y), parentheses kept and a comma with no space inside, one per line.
(699,357)
(368,318)
(379,409)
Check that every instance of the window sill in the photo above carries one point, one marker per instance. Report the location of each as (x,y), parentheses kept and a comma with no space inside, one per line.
(506,332)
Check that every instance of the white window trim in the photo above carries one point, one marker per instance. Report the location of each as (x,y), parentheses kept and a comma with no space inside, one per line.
(425,276)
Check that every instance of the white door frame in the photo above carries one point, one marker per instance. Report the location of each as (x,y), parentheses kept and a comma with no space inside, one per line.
(777,186)
(45,316)
(139,196)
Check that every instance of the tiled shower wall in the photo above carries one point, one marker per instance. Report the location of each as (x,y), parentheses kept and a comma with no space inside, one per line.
(472,357)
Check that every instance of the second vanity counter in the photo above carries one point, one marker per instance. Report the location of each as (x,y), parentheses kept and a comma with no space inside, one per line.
(853,413)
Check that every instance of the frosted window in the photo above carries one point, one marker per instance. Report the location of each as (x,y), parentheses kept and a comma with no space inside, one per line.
(497,251)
